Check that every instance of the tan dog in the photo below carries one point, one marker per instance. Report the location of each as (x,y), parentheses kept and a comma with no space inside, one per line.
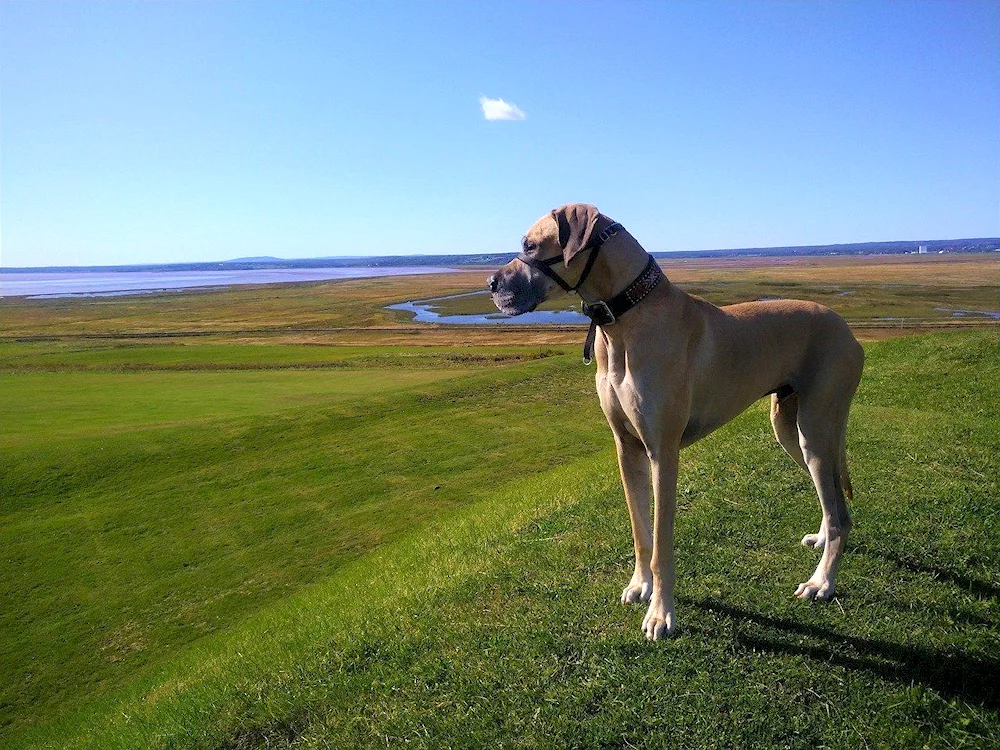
(673,368)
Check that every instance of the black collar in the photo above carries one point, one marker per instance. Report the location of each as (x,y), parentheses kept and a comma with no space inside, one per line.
(603,313)
(606,313)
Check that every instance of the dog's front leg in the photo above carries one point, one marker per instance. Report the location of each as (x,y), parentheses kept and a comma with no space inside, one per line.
(634,465)
(659,621)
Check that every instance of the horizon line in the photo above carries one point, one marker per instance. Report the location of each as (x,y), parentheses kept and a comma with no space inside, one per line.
(775,249)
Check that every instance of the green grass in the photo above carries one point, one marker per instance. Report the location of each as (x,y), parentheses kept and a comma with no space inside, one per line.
(221,356)
(337,600)
(145,510)
(43,410)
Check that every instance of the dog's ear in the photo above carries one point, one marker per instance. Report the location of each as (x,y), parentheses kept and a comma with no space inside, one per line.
(576,223)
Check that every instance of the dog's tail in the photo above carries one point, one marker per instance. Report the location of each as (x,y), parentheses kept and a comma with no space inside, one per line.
(845,474)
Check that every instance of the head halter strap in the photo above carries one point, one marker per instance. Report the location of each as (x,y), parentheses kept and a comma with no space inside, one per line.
(601,313)
(545,266)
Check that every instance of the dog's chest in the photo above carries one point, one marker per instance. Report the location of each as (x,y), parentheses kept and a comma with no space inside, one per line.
(619,399)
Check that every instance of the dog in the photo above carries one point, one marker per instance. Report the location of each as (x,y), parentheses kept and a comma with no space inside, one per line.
(672,367)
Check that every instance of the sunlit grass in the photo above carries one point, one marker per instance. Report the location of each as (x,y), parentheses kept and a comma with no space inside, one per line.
(485,612)
(144,510)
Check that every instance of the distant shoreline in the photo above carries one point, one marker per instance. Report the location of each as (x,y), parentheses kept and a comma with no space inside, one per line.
(74,283)
(974,245)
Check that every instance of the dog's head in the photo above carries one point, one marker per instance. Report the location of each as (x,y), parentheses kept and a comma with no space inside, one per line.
(559,235)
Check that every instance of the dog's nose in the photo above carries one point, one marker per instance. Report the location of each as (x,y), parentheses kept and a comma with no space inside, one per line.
(492,282)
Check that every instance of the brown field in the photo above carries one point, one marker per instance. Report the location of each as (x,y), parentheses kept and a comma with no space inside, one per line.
(955,269)
(909,290)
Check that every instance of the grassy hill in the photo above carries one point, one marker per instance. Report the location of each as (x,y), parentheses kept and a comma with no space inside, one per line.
(272,546)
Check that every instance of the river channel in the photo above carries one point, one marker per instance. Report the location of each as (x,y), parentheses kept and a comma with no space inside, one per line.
(428,311)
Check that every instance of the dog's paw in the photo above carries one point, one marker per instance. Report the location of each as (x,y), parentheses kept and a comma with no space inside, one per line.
(814,541)
(819,589)
(659,621)
(638,590)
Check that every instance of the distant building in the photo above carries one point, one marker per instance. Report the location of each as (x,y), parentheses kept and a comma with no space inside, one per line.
(922,249)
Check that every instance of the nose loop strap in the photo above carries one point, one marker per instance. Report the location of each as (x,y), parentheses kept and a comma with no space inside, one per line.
(600,313)
(545,266)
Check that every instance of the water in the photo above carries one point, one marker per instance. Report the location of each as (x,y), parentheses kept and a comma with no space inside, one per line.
(53,284)
(425,311)
(963,313)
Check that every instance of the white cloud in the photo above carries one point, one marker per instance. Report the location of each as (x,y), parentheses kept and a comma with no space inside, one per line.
(498,109)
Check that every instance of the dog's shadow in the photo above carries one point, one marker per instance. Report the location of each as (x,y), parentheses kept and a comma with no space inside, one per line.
(978,588)
(950,672)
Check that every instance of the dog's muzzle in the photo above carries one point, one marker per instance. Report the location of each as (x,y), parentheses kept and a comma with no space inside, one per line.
(514,291)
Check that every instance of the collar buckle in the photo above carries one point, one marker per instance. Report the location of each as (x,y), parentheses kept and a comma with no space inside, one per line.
(608,232)
(599,312)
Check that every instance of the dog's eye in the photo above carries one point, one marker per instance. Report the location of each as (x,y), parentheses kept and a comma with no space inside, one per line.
(527,245)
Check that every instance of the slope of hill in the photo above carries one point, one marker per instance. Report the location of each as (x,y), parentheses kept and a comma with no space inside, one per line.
(410,568)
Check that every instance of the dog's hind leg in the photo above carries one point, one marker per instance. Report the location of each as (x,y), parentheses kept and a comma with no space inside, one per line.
(784,420)
(821,433)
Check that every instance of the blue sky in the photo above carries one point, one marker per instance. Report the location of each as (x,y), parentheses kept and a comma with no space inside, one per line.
(170,132)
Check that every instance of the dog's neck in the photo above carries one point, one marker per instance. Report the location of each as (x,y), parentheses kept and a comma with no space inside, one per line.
(621,260)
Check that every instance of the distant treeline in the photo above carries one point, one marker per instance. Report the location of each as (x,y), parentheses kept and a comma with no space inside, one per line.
(981,245)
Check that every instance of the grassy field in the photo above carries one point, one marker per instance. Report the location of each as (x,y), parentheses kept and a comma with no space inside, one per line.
(242,540)
(145,509)
(908,289)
